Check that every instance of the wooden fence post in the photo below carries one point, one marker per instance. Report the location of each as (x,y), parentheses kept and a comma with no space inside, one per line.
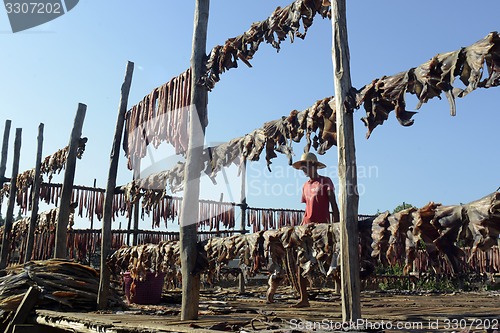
(12,199)
(243,206)
(102,297)
(36,196)
(61,250)
(190,203)
(348,193)
(136,207)
(5,149)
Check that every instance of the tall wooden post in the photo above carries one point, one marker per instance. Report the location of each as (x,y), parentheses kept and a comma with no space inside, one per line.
(102,297)
(243,206)
(5,149)
(129,226)
(136,206)
(348,195)
(12,199)
(36,196)
(61,250)
(189,208)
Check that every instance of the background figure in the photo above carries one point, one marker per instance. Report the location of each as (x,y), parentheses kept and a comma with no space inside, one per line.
(318,193)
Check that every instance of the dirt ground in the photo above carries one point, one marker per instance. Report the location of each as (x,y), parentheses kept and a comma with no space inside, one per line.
(223,309)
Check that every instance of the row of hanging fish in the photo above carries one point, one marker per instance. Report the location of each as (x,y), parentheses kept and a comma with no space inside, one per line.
(160,207)
(50,165)
(283,22)
(314,244)
(266,219)
(141,259)
(318,123)
(160,116)
(378,98)
(44,235)
(212,214)
(439,229)
(90,201)
(384,95)
(81,243)
(275,137)
(63,284)
(431,79)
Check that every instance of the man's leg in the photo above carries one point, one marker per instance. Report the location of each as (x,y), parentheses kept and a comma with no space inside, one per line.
(304,297)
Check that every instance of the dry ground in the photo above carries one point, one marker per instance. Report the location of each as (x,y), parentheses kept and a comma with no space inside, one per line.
(222,309)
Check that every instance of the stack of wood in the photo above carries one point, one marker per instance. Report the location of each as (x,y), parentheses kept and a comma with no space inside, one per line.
(64,285)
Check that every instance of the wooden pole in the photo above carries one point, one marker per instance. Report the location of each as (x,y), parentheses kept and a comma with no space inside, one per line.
(67,186)
(348,195)
(129,226)
(136,206)
(5,149)
(102,297)
(243,206)
(3,160)
(96,197)
(243,196)
(36,196)
(189,208)
(12,199)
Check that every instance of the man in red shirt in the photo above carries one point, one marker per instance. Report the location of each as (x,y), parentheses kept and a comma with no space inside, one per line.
(318,193)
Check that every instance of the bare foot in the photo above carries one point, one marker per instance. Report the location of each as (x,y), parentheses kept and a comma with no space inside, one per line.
(301,304)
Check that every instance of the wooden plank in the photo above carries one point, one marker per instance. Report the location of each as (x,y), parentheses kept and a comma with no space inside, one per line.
(113,323)
(25,307)
(104,278)
(190,206)
(12,199)
(74,326)
(36,196)
(28,328)
(348,195)
(61,250)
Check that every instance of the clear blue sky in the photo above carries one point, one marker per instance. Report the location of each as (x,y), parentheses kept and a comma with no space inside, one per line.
(81,57)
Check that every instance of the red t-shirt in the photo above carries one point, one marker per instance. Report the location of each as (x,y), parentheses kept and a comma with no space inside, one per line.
(315,196)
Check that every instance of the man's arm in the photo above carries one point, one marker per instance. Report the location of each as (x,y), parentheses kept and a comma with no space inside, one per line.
(333,204)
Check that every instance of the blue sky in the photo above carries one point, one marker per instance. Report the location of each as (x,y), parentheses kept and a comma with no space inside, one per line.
(81,57)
